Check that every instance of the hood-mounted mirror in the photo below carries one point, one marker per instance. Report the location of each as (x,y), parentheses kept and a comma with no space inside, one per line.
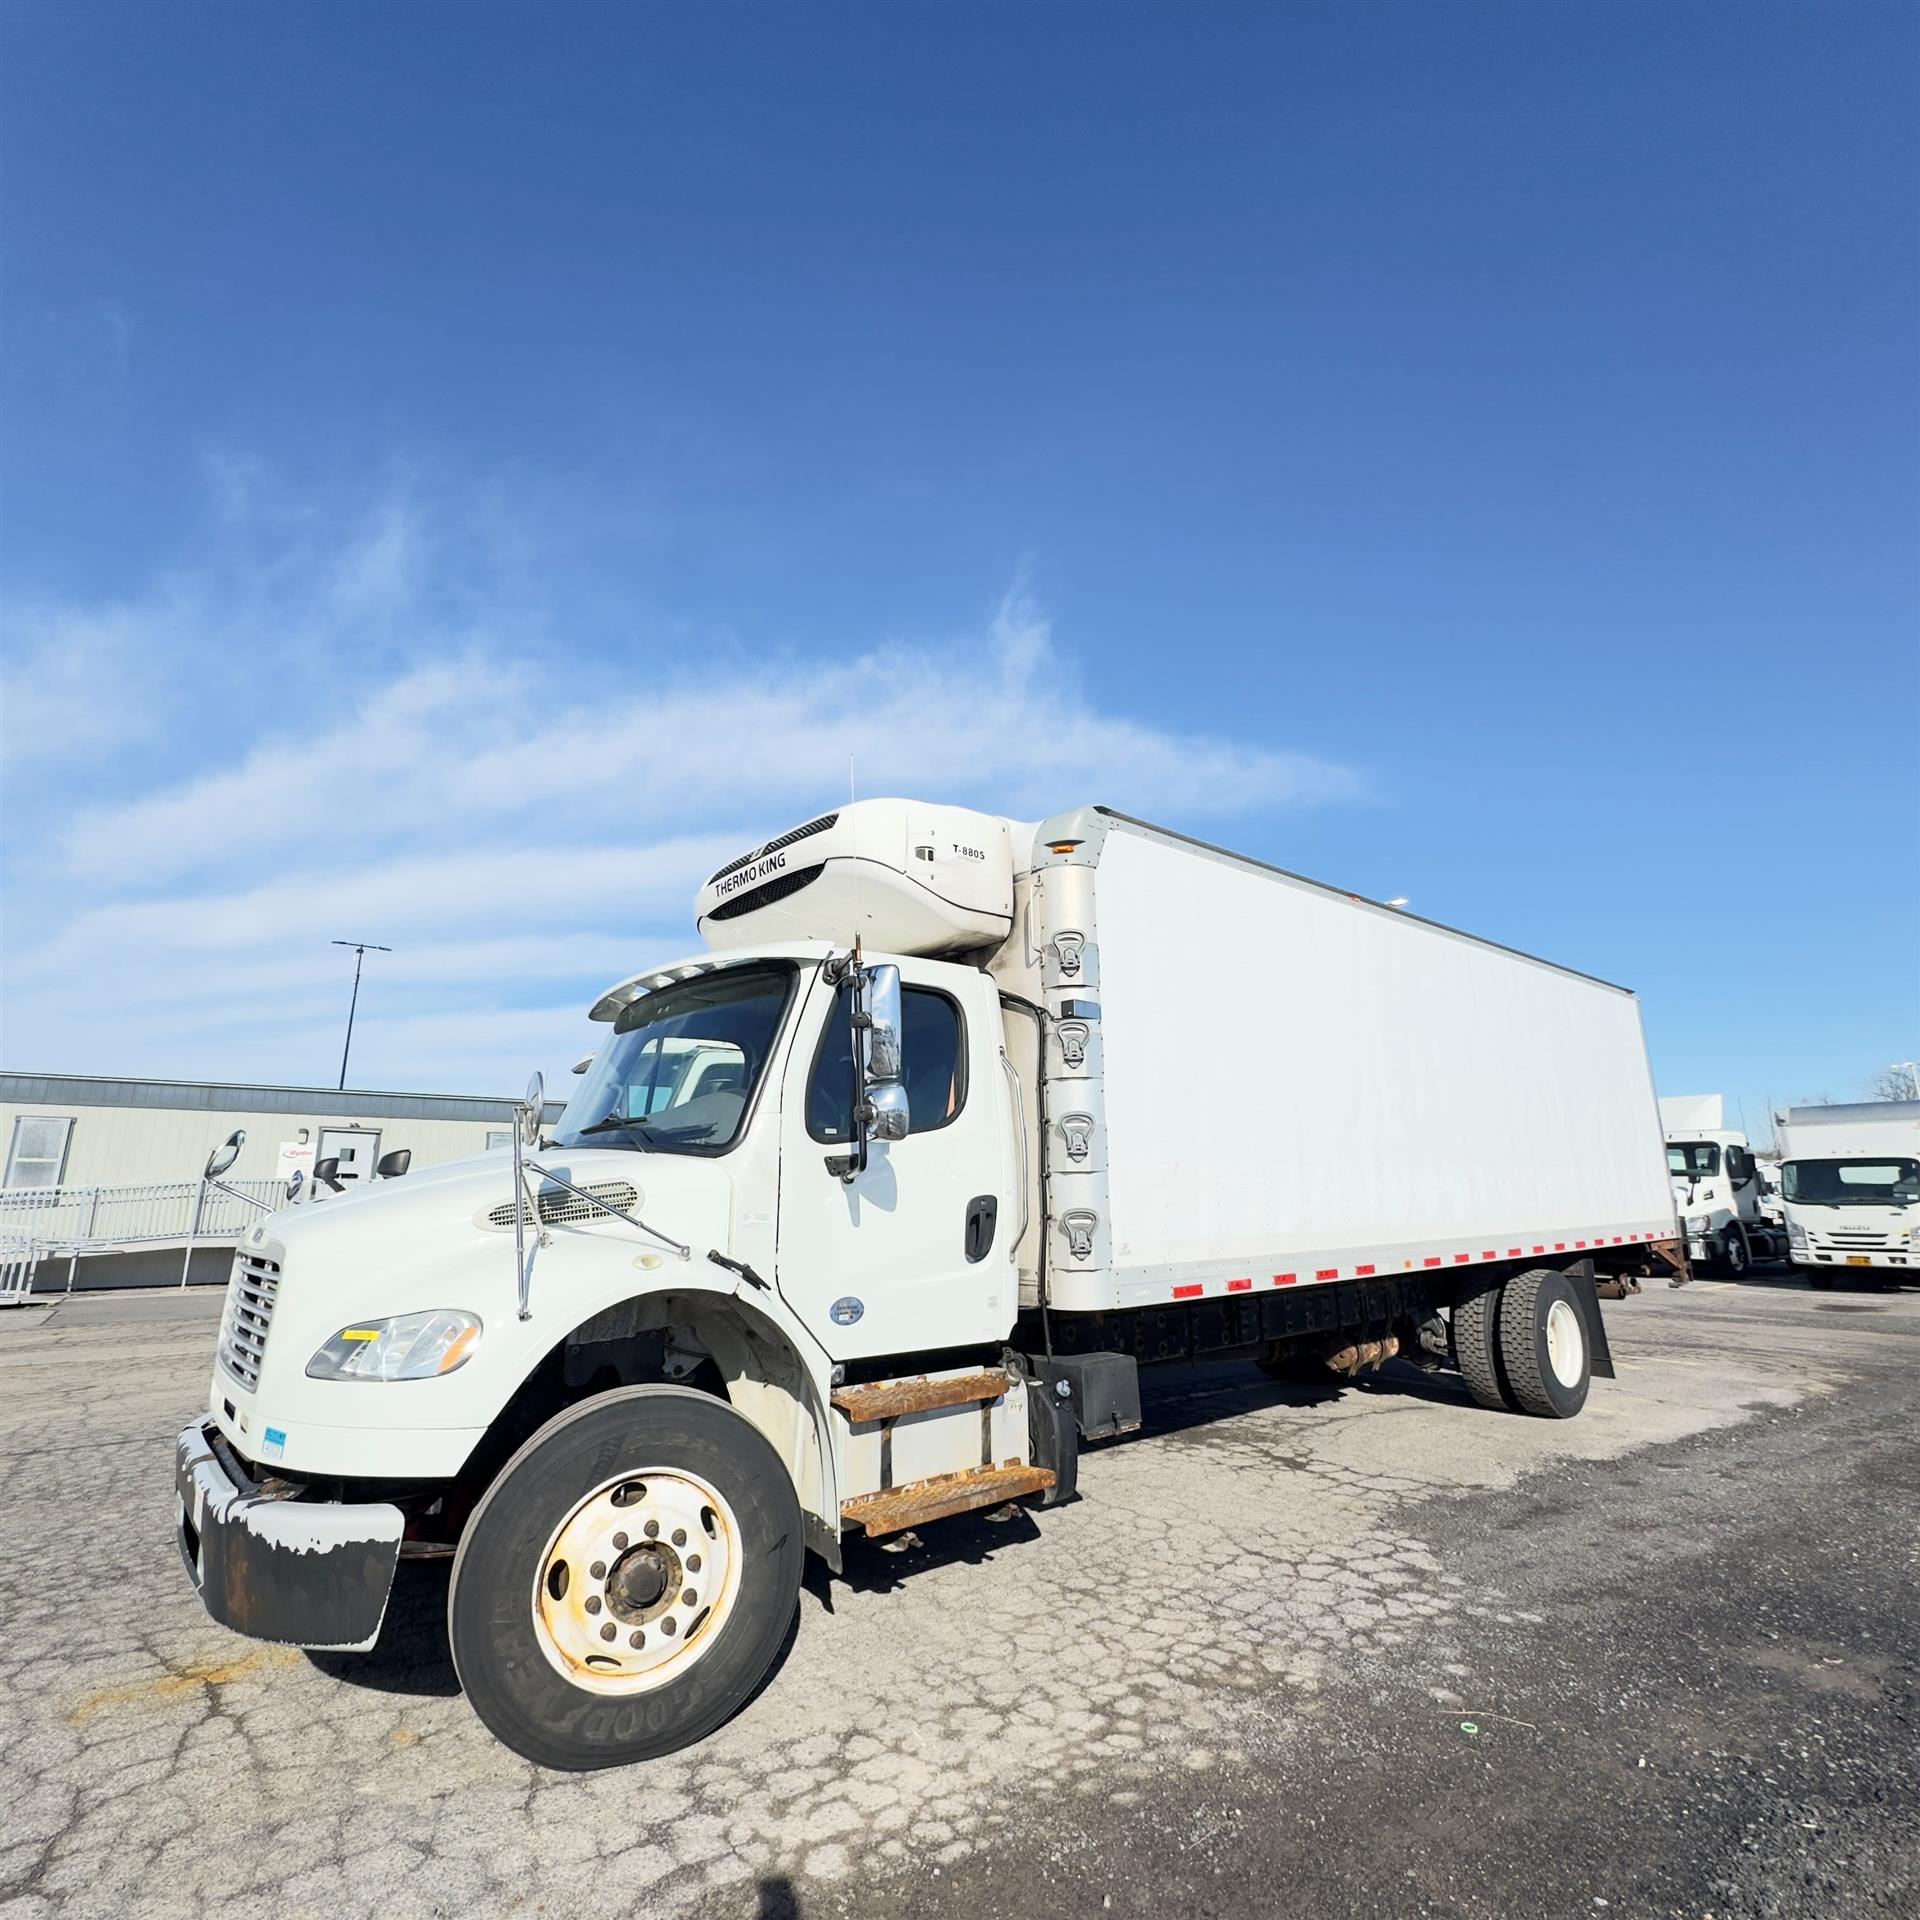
(224,1155)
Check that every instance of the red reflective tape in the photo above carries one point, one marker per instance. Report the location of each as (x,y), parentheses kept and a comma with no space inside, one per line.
(1579,1243)
(1460,1259)
(1363,1269)
(1284,1279)
(1513,1253)
(1487,1254)
(1616,1239)
(1326,1273)
(1186,1293)
(1539,1249)
(1432,1260)
(1238,1286)
(1559,1246)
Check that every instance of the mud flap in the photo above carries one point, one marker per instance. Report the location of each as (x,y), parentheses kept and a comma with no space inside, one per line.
(1599,1354)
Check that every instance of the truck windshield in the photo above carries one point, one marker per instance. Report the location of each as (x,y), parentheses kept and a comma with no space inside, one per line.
(679,1072)
(1851,1183)
(1693,1159)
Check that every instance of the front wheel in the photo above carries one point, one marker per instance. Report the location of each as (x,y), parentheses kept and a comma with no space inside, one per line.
(1736,1257)
(1544,1350)
(625,1584)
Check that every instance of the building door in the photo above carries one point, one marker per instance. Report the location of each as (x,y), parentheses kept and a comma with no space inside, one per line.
(357,1149)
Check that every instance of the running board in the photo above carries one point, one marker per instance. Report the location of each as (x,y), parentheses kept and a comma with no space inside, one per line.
(945,1493)
(888,1400)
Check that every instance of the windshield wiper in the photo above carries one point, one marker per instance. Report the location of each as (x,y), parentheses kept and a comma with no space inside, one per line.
(612,1123)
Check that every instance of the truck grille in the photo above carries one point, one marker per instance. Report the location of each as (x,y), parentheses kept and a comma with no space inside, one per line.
(559,1208)
(243,1333)
(1855,1239)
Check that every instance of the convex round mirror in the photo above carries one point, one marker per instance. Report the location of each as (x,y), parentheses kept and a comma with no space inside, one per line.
(223,1156)
(531,1111)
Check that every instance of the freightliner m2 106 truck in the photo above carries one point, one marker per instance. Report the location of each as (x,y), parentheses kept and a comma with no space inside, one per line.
(1850,1189)
(989,1115)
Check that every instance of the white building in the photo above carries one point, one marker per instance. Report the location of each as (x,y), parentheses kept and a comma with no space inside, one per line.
(112,1165)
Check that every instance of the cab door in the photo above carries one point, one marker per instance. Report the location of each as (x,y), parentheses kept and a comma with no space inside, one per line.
(914,1253)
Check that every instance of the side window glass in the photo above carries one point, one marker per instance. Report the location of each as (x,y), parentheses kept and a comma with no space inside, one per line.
(934,1059)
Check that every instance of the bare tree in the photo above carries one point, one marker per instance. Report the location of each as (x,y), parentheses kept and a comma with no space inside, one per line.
(1901,1081)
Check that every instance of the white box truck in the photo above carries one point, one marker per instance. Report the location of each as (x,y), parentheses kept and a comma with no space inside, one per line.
(989,1116)
(1718,1189)
(1850,1188)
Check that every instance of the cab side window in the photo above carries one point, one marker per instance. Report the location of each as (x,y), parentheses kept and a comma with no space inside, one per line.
(933,1056)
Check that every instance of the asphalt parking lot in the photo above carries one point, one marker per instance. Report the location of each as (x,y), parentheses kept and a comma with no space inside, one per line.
(1380,1652)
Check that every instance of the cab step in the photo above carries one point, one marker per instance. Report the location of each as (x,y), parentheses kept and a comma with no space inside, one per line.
(920,1500)
(889,1399)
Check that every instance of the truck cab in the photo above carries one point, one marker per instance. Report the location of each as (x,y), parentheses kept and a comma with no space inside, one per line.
(1850,1189)
(1718,1192)
(635,1373)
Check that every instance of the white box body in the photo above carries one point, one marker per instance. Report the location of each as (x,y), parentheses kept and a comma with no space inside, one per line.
(1288,1085)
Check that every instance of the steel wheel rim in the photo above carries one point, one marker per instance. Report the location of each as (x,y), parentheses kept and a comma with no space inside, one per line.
(1566,1343)
(654,1555)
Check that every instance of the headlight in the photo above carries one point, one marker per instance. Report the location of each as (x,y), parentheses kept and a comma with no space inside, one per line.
(410,1346)
(1796,1234)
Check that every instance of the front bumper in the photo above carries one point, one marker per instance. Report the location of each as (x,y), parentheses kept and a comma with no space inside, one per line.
(303,1573)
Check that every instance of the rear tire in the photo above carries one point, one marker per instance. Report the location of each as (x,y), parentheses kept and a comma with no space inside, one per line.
(698,1585)
(1476,1348)
(1545,1353)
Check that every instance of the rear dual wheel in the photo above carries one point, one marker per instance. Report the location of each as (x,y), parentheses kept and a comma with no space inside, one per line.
(1522,1344)
(626,1583)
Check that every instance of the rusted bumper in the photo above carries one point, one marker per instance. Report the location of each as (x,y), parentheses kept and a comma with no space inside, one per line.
(303,1573)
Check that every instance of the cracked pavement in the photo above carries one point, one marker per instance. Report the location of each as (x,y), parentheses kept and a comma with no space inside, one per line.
(1236,1670)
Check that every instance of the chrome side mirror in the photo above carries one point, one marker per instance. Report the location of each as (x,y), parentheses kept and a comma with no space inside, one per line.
(879,1018)
(531,1110)
(885,1113)
(224,1155)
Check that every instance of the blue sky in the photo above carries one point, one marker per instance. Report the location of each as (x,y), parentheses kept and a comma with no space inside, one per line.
(465,470)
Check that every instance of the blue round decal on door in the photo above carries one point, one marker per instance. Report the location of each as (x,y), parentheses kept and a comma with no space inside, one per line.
(846,1310)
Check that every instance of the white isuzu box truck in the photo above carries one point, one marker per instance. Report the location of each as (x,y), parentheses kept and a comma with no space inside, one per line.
(1850,1188)
(1717,1187)
(988,1116)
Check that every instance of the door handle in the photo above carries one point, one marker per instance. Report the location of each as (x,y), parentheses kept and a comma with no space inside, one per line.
(981,1214)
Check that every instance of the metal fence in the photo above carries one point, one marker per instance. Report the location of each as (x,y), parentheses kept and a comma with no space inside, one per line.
(43,1223)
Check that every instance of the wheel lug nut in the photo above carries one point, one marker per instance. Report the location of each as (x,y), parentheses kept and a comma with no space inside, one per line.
(619,1539)
(598,1569)
(688,1598)
(608,1631)
(653,1529)
(693,1563)
(667,1625)
(637,1638)
(593,1603)
(679,1536)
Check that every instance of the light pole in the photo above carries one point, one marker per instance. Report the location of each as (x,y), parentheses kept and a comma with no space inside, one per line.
(361,948)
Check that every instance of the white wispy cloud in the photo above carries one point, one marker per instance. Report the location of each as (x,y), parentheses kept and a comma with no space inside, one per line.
(401,757)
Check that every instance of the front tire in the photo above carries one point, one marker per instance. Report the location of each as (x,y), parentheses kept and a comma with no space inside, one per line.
(626,1582)
(1545,1353)
(1736,1257)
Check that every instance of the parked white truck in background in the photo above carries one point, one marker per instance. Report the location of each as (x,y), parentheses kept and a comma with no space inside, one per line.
(1717,1188)
(1850,1188)
(989,1116)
